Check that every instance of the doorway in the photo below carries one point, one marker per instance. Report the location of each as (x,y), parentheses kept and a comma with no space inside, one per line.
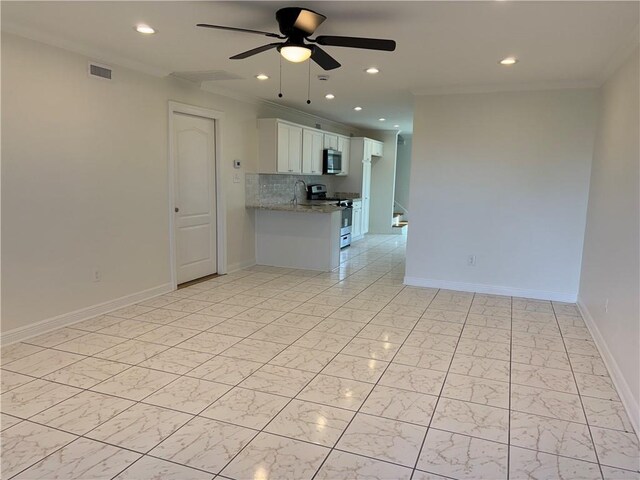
(195,210)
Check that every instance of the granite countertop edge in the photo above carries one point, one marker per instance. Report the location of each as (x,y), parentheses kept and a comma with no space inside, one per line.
(288,207)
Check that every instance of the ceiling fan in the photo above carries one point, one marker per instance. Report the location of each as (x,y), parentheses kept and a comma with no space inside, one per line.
(297,25)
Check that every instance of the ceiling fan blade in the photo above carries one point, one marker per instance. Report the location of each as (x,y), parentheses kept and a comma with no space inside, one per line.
(254,51)
(323,59)
(356,42)
(244,30)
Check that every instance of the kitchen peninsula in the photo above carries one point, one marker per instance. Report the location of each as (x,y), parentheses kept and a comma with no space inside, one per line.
(298,236)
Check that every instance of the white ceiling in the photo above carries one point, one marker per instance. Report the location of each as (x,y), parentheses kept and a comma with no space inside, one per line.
(442,46)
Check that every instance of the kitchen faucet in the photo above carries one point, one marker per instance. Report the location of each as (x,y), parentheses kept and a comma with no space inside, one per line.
(294,201)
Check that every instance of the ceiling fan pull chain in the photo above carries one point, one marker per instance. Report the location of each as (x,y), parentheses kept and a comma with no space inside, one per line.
(309,84)
(280,94)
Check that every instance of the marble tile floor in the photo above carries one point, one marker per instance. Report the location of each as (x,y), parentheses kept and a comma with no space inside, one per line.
(272,373)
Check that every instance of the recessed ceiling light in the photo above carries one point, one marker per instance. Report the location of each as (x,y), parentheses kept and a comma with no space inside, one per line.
(262,76)
(357,109)
(329,96)
(381,119)
(372,70)
(396,126)
(509,61)
(144,29)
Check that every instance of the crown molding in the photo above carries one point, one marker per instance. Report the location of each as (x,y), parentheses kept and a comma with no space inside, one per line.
(112,59)
(253,100)
(312,116)
(497,88)
(102,56)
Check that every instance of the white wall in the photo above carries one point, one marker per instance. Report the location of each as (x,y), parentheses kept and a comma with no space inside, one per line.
(84,180)
(504,177)
(611,264)
(403,173)
(383,174)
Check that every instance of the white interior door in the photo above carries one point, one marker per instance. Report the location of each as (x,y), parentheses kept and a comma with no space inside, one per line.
(195,196)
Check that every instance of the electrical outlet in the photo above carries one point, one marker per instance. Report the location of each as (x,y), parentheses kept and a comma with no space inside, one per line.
(606,306)
(97,275)
(236,178)
(471,260)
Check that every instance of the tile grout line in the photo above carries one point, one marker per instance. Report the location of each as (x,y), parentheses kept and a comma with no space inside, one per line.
(125,339)
(377,381)
(193,416)
(275,434)
(288,437)
(510,384)
(379,378)
(131,406)
(586,420)
(415,466)
(84,390)
(295,398)
(232,386)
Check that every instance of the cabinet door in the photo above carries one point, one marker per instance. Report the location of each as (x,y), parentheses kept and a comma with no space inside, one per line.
(283,149)
(356,229)
(344,146)
(376,148)
(367,150)
(311,152)
(366,191)
(295,149)
(331,141)
(316,156)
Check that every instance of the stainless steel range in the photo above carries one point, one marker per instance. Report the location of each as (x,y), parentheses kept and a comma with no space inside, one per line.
(318,192)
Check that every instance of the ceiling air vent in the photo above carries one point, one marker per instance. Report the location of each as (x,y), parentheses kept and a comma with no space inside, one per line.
(99,71)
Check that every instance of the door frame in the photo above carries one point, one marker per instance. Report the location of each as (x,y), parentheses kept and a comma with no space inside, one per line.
(221,211)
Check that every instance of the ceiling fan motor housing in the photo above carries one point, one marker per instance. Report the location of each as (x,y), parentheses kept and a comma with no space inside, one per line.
(298,23)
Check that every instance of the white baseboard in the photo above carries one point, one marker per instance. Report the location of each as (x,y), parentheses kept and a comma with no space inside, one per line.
(44,326)
(491,289)
(240,265)
(631,405)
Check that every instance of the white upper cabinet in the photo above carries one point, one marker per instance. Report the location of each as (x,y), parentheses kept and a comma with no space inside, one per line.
(375,147)
(312,143)
(289,148)
(279,146)
(285,147)
(331,141)
(344,146)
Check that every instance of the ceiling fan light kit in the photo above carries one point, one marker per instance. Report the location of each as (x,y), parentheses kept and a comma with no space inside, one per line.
(294,53)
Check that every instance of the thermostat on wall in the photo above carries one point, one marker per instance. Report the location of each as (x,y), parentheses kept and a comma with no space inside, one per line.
(236,164)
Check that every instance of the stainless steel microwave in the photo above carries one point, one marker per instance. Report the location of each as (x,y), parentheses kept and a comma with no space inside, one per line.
(331,162)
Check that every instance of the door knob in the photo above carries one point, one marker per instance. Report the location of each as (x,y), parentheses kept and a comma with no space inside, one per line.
(176,209)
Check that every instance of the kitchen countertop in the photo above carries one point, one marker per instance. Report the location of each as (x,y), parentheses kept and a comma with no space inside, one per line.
(300,208)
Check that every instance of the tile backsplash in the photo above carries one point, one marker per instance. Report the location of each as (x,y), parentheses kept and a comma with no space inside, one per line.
(266,189)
